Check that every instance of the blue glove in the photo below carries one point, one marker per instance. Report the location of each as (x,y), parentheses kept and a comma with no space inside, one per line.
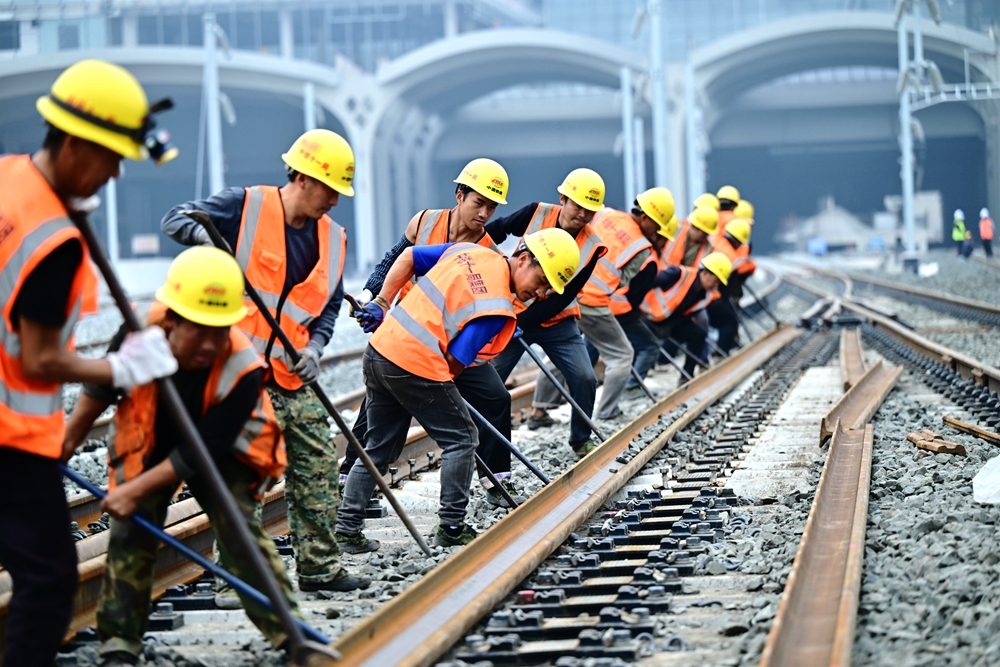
(518,332)
(371,317)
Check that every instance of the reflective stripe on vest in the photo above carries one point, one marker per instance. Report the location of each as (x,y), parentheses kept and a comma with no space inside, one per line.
(468,281)
(261,253)
(676,249)
(33,222)
(623,238)
(259,444)
(669,300)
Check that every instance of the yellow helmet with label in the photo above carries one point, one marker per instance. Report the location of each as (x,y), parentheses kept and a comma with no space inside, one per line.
(325,156)
(657,203)
(585,187)
(706,219)
(558,254)
(205,285)
(486,177)
(718,264)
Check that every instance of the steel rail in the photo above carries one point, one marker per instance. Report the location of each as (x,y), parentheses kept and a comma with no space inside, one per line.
(419,625)
(987,261)
(852,357)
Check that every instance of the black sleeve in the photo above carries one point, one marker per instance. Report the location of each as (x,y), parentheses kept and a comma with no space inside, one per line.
(545,309)
(321,329)
(105,392)
(45,292)
(666,278)
(225,209)
(514,224)
(222,424)
(640,285)
(377,278)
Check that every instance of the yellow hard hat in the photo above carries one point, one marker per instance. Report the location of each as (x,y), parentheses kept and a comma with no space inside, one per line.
(585,187)
(558,254)
(486,177)
(744,210)
(205,285)
(718,264)
(706,199)
(102,103)
(669,230)
(728,192)
(706,219)
(325,156)
(657,203)
(739,229)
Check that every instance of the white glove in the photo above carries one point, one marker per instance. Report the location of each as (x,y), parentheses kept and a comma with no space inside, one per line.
(201,236)
(364,297)
(143,357)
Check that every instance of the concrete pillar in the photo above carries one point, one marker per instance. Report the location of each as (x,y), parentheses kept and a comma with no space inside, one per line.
(676,130)
(130,30)
(450,19)
(991,119)
(362,139)
(402,168)
(309,105)
(423,163)
(628,141)
(286,34)
(111,217)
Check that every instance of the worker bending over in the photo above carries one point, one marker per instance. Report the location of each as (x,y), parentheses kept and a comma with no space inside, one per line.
(292,253)
(729,199)
(47,284)
(734,243)
(481,186)
(461,309)
(220,379)
(551,322)
(691,243)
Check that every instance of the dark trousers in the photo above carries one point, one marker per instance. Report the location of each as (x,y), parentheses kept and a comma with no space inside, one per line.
(722,316)
(646,346)
(564,346)
(394,396)
(988,247)
(485,391)
(37,551)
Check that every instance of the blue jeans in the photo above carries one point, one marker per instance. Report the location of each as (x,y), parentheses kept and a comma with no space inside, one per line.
(564,346)
(646,351)
(393,397)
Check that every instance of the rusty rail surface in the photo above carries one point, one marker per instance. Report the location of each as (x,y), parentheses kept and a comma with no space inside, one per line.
(972,429)
(419,625)
(852,357)
(856,407)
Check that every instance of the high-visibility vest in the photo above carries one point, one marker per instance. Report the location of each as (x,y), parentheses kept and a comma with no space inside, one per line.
(743,265)
(33,223)
(432,229)
(661,304)
(619,300)
(546,216)
(958,231)
(259,445)
(724,218)
(619,232)
(674,252)
(260,251)
(468,281)
(986,229)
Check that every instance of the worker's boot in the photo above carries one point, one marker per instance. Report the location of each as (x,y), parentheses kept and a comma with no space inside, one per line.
(356,544)
(454,536)
(494,497)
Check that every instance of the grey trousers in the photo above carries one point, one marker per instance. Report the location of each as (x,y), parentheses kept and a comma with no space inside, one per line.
(605,334)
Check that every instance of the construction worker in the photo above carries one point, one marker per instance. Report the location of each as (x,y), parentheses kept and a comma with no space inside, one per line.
(744,210)
(480,187)
(729,199)
(691,243)
(551,322)
(459,311)
(734,244)
(293,255)
(220,379)
(680,298)
(958,230)
(986,231)
(48,283)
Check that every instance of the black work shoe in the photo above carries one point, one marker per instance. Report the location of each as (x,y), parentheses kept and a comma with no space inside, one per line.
(348,582)
(356,544)
(454,537)
(494,497)
(535,423)
(585,448)
(119,659)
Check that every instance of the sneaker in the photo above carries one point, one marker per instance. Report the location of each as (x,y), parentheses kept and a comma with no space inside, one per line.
(454,537)
(349,582)
(119,659)
(356,544)
(585,448)
(494,497)
(535,423)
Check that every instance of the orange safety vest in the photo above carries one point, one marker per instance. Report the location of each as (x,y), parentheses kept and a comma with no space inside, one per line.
(260,444)
(724,218)
(437,232)
(674,252)
(468,281)
(624,240)
(619,300)
(260,251)
(33,223)
(986,229)
(740,257)
(661,304)
(546,216)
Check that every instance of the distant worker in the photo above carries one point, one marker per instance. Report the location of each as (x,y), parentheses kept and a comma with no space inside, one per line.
(551,322)
(729,199)
(986,231)
(481,186)
(958,230)
(95,115)
(220,379)
(460,310)
(734,244)
(293,254)
(691,243)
